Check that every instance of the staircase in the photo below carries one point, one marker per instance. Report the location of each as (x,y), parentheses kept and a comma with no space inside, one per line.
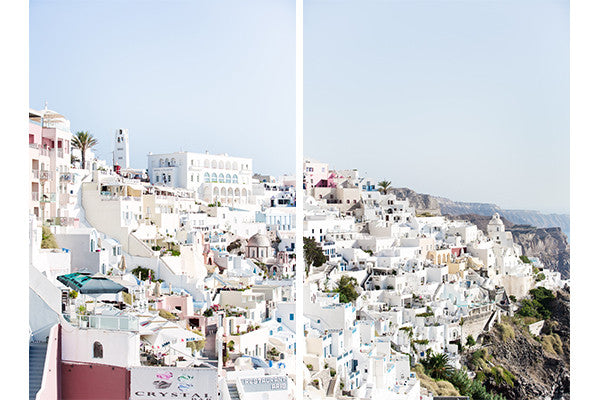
(233,392)
(37,358)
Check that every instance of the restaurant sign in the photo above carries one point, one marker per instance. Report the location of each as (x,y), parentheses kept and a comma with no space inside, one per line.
(173,383)
(264,384)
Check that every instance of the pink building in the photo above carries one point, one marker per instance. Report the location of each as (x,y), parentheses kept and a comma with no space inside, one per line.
(50,160)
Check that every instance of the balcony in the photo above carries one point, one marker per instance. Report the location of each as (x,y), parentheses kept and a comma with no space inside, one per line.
(106,322)
(36,173)
(45,175)
(35,196)
(48,198)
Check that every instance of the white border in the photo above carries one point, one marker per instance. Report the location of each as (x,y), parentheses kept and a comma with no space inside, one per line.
(300,342)
(585,146)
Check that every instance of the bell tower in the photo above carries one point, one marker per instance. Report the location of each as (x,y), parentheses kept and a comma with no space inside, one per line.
(121,152)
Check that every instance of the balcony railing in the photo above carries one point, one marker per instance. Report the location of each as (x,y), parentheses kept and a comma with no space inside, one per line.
(36,173)
(48,198)
(45,175)
(35,196)
(106,322)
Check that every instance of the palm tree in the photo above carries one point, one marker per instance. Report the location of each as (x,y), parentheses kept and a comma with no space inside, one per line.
(83,141)
(437,366)
(384,186)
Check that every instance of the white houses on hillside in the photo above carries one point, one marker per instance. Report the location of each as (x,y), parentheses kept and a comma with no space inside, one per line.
(216,178)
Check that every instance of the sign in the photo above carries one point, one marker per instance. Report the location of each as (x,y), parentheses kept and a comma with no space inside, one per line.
(264,384)
(173,383)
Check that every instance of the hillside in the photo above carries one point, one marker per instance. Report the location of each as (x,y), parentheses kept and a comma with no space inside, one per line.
(538,366)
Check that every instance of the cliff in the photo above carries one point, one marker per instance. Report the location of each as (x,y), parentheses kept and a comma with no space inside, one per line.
(441,205)
(550,245)
(423,203)
(521,217)
(537,366)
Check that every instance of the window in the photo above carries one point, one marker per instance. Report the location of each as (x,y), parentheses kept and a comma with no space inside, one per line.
(98,350)
(206,177)
(235,178)
(291,317)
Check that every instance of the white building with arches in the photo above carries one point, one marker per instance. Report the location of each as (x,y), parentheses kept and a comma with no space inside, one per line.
(215,178)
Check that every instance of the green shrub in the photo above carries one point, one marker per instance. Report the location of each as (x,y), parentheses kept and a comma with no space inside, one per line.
(48,239)
(506,331)
(167,315)
(470,340)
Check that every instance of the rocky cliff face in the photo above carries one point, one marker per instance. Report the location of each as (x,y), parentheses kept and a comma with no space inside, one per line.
(550,245)
(441,205)
(540,365)
(522,217)
(423,203)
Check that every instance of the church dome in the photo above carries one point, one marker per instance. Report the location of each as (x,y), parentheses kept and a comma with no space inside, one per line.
(259,240)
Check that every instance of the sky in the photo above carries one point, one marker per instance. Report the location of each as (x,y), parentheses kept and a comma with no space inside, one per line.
(461,99)
(198,76)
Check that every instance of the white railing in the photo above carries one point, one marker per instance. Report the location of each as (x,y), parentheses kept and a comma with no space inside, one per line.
(107,322)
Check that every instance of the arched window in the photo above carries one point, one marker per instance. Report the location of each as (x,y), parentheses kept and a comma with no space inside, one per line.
(227,178)
(160,162)
(221,165)
(214,177)
(173,162)
(221,178)
(98,350)
(191,177)
(228,165)
(198,178)
(206,164)
(207,177)
(213,164)
(235,165)
(235,178)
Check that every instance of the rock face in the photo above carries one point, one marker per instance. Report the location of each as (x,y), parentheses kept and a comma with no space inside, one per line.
(423,203)
(550,245)
(539,373)
(522,217)
(441,205)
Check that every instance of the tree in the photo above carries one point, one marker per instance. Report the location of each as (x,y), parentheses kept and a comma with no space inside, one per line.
(470,340)
(437,366)
(384,186)
(83,141)
(347,289)
(313,254)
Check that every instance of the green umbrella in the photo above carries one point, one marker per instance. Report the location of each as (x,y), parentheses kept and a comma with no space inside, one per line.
(92,285)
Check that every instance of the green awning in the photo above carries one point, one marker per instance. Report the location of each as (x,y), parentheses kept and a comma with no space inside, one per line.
(87,284)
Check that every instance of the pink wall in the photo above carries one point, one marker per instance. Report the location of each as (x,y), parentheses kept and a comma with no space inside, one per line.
(168,303)
(36,131)
(49,388)
(82,381)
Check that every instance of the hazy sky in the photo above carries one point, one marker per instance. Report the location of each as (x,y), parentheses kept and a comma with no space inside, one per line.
(181,75)
(463,99)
